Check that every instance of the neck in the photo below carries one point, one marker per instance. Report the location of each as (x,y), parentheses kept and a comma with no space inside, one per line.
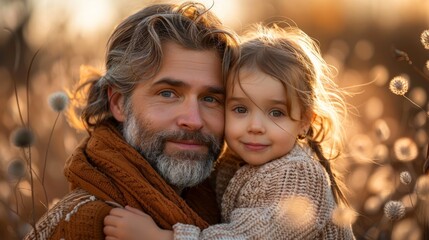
(177,189)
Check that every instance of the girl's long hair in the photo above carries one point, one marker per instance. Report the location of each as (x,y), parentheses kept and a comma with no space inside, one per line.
(292,57)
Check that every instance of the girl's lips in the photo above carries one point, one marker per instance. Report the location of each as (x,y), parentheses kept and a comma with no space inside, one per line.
(255,146)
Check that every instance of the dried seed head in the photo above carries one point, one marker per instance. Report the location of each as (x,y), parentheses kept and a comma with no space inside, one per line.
(405,149)
(424,38)
(401,55)
(382,130)
(405,177)
(58,101)
(22,137)
(394,210)
(398,85)
(16,169)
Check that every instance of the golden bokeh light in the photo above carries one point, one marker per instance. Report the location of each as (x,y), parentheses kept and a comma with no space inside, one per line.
(368,42)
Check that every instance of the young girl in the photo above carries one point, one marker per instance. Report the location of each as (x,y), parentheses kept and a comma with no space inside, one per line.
(283,118)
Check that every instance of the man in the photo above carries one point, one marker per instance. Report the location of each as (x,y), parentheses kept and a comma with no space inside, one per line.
(155,121)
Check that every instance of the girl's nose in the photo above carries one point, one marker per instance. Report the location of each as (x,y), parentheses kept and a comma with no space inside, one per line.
(256,124)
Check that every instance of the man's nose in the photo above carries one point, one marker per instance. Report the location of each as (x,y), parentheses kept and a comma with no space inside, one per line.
(190,115)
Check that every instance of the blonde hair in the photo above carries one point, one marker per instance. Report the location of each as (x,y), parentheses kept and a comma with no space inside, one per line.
(134,54)
(292,57)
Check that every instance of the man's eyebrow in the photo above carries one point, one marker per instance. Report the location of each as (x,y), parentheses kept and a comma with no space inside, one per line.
(179,83)
(216,90)
(172,82)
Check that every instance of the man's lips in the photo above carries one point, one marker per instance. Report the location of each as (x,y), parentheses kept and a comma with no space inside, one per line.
(187,144)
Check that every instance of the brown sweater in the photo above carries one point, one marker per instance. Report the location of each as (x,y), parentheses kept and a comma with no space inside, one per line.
(105,169)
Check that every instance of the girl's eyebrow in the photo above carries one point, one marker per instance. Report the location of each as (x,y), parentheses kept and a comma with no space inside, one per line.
(276,102)
(236,98)
(271,101)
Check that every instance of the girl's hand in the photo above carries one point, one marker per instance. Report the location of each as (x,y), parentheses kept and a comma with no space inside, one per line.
(130,223)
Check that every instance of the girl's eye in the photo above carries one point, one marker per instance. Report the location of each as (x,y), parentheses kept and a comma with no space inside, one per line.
(167,94)
(276,113)
(240,110)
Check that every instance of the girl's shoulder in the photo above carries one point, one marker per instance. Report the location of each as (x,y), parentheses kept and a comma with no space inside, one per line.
(298,155)
(300,163)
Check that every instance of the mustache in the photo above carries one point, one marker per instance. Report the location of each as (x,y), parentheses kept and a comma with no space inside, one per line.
(198,137)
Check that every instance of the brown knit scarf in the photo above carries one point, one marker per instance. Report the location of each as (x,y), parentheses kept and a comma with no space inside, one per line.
(109,168)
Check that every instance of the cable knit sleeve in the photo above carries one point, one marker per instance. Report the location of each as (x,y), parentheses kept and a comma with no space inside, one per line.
(225,168)
(78,215)
(304,207)
(87,222)
(289,198)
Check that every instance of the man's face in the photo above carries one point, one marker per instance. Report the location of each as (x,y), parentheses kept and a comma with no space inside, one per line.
(176,120)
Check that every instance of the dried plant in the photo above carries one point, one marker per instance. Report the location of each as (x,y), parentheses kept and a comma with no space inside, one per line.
(394,210)
(24,138)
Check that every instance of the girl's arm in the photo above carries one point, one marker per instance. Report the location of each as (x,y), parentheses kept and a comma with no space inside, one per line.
(292,201)
(130,223)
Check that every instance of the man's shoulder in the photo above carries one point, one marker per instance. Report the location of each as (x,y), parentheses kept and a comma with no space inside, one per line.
(77,215)
(79,203)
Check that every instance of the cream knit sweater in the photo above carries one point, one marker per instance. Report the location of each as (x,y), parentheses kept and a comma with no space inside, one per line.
(288,198)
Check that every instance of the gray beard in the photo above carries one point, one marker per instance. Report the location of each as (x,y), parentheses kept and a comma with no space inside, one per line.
(180,169)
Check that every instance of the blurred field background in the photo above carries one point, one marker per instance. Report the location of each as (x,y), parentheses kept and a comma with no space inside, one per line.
(389,134)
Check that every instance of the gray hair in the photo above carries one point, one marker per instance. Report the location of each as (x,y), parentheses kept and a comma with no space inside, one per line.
(134,54)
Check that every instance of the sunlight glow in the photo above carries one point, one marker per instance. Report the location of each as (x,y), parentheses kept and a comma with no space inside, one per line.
(50,20)
(88,16)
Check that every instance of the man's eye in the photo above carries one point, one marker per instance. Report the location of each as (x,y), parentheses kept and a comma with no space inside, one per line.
(240,110)
(167,94)
(209,99)
(276,113)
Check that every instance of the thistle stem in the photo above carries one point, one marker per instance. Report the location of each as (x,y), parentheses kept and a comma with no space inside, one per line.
(47,148)
(411,201)
(33,212)
(419,72)
(415,104)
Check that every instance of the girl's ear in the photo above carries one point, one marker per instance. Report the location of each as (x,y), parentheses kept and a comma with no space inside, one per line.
(116,104)
(307,120)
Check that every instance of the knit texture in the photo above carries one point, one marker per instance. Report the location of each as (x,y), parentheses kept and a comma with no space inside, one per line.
(63,211)
(225,168)
(288,198)
(105,168)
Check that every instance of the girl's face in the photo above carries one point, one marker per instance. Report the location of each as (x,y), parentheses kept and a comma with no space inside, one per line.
(257,126)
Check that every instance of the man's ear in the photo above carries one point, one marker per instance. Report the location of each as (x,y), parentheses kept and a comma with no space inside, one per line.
(116,104)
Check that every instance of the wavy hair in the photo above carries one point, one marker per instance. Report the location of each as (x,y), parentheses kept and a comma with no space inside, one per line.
(292,57)
(134,54)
